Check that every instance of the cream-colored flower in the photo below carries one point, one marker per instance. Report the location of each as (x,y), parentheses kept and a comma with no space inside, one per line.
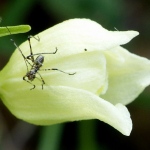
(106,76)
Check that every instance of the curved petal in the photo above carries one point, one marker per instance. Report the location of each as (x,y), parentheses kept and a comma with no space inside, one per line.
(89,68)
(129,74)
(58,104)
(74,36)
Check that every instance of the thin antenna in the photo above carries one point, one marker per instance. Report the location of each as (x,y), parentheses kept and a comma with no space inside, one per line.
(116,29)
(19,50)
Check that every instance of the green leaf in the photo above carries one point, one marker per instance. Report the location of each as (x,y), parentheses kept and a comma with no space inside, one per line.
(14,30)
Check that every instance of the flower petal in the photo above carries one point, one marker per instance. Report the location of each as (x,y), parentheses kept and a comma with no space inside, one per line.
(89,68)
(129,74)
(71,37)
(74,35)
(58,104)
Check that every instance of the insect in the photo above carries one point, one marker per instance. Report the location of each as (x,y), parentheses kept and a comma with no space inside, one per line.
(35,63)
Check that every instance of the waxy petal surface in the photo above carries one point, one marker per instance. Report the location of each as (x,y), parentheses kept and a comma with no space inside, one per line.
(128,73)
(63,104)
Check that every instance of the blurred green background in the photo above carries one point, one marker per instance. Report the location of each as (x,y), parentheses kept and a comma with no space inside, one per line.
(83,135)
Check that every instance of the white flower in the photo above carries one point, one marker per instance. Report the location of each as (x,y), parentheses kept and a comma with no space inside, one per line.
(106,78)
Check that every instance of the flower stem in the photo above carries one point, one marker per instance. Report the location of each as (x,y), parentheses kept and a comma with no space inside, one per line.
(50,137)
(87,135)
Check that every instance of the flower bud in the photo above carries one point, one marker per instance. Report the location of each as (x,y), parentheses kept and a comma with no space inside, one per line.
(90,76)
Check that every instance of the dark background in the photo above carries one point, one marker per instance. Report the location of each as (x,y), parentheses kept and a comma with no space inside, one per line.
(83,135)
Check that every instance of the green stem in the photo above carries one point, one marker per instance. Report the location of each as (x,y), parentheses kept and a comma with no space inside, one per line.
(87,135)
(50,137)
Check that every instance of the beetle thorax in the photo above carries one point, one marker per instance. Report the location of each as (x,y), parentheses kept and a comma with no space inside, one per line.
(39,61)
